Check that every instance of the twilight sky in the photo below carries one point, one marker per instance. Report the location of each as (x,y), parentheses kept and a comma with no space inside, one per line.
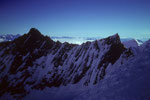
(77,18)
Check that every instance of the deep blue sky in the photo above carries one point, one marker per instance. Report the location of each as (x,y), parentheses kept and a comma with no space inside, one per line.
(79,18)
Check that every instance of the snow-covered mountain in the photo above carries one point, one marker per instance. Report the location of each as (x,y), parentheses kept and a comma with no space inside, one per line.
(8,37)
(132,43)
(33,66)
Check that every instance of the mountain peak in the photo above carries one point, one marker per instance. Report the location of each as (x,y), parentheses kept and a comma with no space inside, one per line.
(34,35)
(115,36)
(34,31)
(112,39)
(33,39)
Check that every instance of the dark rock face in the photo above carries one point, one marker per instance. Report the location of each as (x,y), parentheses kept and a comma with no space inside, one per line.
(116,49)
(36,61)
(28,43)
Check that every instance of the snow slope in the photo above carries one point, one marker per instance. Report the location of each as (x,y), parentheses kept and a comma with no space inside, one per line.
(127,81)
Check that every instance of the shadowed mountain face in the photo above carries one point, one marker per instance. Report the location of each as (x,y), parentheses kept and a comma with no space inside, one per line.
(34,61)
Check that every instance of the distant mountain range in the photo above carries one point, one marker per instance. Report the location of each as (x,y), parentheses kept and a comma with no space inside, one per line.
(74,40)
(34,67)
(80,40)
(8,37)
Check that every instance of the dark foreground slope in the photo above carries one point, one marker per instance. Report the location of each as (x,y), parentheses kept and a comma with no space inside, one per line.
(34,62)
